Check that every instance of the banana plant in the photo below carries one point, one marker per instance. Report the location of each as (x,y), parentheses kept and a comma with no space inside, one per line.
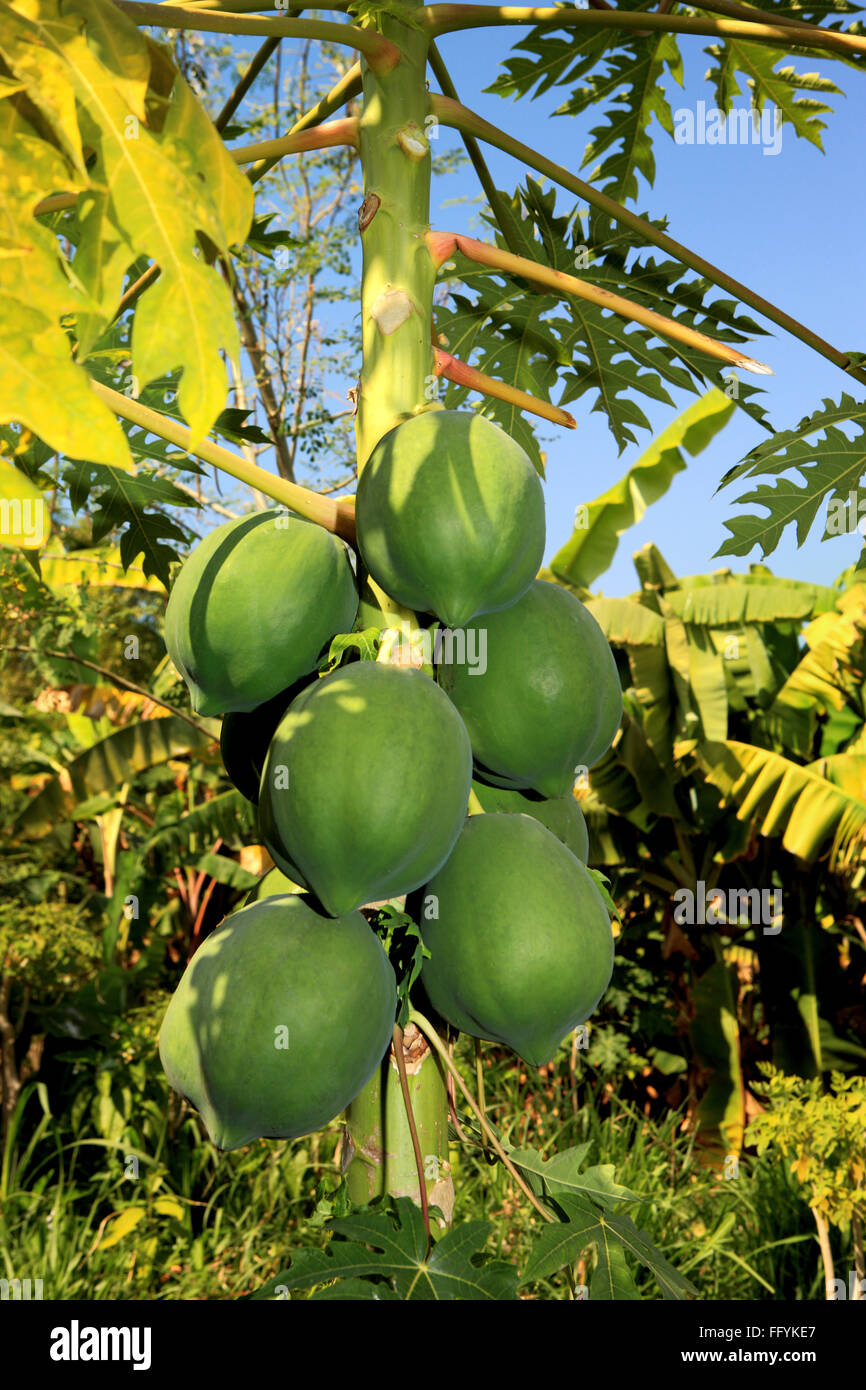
(737,766)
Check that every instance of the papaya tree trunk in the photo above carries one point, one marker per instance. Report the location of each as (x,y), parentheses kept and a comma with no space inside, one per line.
(397,381)
(381,1152)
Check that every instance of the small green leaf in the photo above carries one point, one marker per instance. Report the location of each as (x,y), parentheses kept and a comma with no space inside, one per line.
(561,1244)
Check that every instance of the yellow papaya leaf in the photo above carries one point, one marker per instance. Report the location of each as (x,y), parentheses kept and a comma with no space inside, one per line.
(161,185)
(41,387)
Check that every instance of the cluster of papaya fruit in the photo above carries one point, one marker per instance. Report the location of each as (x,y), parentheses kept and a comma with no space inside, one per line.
(363,780)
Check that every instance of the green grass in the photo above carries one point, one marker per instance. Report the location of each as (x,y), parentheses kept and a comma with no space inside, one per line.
(235,1217)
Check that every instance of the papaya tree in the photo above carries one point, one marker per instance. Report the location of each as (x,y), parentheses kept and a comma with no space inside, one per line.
(373,651)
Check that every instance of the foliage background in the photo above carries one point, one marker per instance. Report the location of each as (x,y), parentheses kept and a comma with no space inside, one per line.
(112,877)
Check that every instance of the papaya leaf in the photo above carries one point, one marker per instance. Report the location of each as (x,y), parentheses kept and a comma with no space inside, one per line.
(601,882)
(782,88)
(366,643)
(390,1245)
(24,515)
(611,1280)
(402,944)
(616,74)
(122,503)
(106,766)
(164,194)
(562,1173)
(601,522)
(561,1244)
(831,468)
(40,385)
(231,424)
(537,341)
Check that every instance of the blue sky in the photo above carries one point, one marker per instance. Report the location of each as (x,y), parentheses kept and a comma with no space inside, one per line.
(788,225)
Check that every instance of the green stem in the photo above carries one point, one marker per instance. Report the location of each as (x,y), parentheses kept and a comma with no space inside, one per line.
(378,52)
(443,245)
(400,1058)
(243,86)
(426,1027)
(485,178)
(254,6)
(479,1086)
(751,12)
(320,137)
(343,91)
(335,516)
(448,19)
(470,377)
(458,117)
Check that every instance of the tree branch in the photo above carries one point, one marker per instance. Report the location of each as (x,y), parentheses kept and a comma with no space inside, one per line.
(442,245)
(380,53)
(450,113)
(233,102)
(258,358)
(335,516)
(448,19)
(485,178)
(464,375)
(342,92)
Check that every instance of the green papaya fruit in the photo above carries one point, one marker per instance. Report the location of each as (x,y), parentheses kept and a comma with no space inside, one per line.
(610,696)
(245,737)
(561,814)
(450,516)
(253,606)
(521,948)
(366,784)
(271,885)
(546,696)
(249,1034)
